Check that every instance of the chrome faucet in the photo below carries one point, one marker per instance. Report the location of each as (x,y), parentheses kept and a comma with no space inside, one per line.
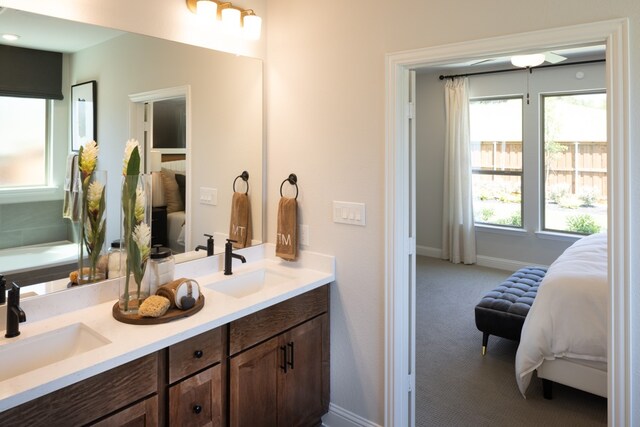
(209,247)
(229,255)
(15,315)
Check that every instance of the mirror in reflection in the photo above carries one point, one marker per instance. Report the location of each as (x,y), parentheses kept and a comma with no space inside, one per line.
(215,135)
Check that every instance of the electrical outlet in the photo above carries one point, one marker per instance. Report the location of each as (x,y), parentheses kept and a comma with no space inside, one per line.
(304,234)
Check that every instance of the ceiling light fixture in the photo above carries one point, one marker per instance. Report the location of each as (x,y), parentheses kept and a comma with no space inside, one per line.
(527,61)
(235,21)
(10,37)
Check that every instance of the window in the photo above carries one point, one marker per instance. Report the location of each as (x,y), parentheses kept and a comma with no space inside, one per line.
(23,142)
(575,163)
(496,160)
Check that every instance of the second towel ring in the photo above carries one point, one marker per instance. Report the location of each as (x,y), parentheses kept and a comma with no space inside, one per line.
(293,180)
(245,177)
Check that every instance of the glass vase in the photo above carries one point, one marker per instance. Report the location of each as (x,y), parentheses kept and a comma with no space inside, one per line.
(92,259)
(135,240)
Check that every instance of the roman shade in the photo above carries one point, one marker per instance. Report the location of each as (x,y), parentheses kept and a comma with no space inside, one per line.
(30,73)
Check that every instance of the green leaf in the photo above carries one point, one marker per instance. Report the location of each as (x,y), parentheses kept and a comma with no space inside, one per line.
(133,167)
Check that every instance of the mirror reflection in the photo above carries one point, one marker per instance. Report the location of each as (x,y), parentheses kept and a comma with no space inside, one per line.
(196,112)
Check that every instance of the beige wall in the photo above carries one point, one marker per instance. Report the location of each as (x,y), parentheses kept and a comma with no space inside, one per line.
(326,118)
(325,121)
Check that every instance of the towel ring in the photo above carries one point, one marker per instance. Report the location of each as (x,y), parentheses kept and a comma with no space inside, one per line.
(245,177)
(293,180)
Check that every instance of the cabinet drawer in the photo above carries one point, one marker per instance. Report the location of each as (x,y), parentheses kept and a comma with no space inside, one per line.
(142,414)
(194,354)
(88,400)
(197,401)
(267,323)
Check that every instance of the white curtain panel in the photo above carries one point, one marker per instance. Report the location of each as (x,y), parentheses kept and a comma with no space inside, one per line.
(458,233)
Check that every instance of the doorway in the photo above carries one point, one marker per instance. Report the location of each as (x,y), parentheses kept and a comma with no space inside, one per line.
(400,204)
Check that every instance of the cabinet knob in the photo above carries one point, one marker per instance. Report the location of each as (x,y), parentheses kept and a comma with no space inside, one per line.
(198,354)
(197,409)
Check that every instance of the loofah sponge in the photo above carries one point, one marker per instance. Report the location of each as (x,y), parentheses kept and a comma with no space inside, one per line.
(154,306)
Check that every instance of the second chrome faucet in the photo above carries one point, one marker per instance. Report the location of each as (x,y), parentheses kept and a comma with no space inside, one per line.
(229,255)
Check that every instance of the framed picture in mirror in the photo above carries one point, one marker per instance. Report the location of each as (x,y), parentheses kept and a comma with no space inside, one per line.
(84,108)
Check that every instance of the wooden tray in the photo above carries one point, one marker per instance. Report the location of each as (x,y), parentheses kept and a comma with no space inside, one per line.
(171,314)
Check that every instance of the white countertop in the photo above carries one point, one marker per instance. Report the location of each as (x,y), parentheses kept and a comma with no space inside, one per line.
(92,307)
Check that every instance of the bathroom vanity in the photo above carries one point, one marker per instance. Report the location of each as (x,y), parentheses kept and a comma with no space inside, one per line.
(256,354)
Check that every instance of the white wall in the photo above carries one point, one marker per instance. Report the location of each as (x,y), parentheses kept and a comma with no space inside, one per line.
(325,107)
(430,132)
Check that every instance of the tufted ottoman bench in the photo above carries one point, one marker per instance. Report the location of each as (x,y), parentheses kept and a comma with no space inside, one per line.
(502,311)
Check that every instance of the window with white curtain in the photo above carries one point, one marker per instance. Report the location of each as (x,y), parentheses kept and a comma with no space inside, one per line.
(496,159)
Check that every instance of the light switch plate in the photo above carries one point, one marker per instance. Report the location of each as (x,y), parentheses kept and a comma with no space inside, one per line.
(208,196)
(349,213)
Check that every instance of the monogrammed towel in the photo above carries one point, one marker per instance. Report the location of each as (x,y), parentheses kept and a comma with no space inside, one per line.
(287,237)
(240,225)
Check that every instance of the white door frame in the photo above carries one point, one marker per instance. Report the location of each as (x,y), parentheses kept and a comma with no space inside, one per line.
(399,333)
(136,112)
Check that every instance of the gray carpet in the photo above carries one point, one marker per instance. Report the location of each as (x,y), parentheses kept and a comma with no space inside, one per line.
(455,385)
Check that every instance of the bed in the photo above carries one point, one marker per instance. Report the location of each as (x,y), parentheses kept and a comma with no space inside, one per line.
(564,336)
(169,193)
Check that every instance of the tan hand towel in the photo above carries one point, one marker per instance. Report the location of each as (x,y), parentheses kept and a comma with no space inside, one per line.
(240,224)
(287,237)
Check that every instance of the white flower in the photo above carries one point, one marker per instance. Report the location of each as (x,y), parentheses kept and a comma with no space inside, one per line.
(142,238)
(94,195)
(141,201)
(88,158)
(128,149)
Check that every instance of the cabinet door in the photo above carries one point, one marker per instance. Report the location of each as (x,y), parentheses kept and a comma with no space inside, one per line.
(143,414)
(253,385)
(197,401)
(304,389)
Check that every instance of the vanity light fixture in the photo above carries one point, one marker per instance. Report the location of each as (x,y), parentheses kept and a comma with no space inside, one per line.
(528,61)
(234,20)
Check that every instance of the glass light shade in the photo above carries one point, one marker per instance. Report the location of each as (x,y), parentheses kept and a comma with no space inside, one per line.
(207,9)
(527,60)
(231,20)
(252,26)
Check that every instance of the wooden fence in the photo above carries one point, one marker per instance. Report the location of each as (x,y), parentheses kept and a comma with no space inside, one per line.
(577,165)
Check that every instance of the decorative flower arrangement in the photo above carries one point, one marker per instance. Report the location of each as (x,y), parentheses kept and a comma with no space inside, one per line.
(136,231)
(93,227)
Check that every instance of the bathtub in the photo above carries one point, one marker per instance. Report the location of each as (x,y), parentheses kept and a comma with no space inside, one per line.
(17,260)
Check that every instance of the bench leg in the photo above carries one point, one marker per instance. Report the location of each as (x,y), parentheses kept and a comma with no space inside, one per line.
(485,340)
(547,389)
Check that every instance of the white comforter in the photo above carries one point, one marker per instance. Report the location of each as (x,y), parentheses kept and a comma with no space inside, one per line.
(568,318)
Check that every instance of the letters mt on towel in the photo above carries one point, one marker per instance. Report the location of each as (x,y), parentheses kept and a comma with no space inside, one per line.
(502,311)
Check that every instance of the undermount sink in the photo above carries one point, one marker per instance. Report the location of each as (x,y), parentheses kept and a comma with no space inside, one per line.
(241,285)
(31,353)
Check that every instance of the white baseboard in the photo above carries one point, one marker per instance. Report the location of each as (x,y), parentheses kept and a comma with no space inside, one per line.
(340,417)
(483,260)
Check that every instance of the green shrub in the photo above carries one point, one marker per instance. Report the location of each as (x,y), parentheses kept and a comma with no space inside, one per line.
(582,224)
(485,214)
(588,197)
(515,220)
(558,192)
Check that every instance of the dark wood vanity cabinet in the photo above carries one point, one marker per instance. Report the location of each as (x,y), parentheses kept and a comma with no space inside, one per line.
(196,400)
(283,380)
(270,368)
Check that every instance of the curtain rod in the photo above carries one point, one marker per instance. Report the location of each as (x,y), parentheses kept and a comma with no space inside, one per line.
(561,64)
